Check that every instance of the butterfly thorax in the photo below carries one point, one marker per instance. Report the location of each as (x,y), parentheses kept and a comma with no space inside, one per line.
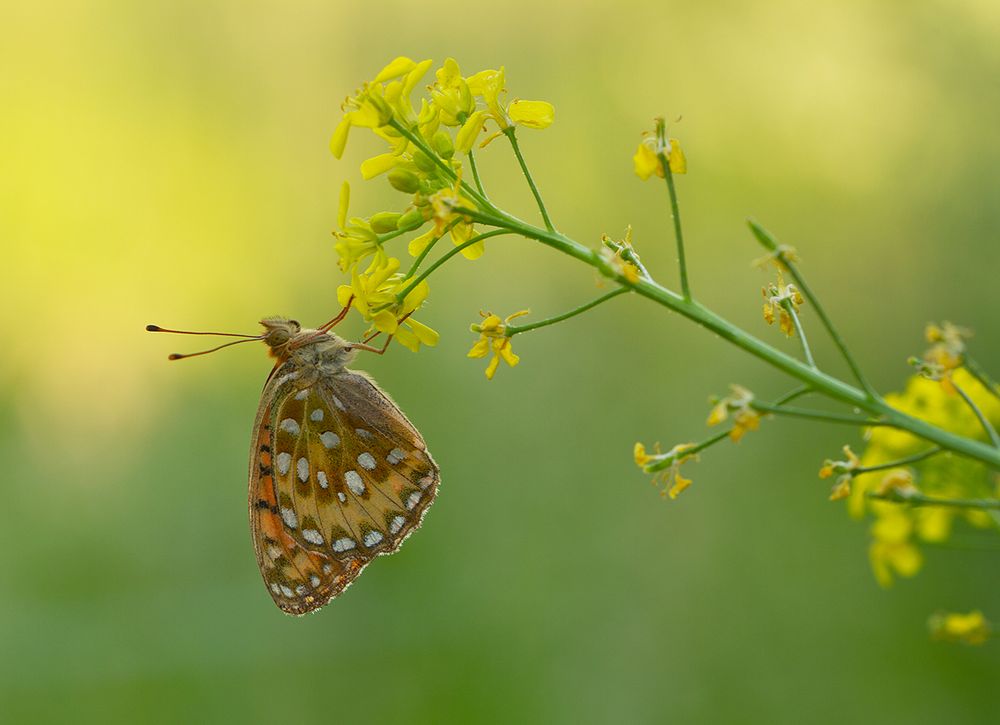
(314,353)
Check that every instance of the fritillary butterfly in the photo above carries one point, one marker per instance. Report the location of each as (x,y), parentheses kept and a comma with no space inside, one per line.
(338,475)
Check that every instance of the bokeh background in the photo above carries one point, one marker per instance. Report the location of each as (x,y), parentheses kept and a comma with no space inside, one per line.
(168,162)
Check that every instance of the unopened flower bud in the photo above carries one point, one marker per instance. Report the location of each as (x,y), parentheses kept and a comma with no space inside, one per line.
(405,181)
(385,221)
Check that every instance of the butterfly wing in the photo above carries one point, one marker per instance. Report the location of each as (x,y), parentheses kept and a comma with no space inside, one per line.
(338,476)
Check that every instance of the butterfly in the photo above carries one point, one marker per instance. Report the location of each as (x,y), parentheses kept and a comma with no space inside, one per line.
(338,474)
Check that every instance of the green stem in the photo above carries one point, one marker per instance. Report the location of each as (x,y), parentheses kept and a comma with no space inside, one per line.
(475,175)
(697,448)
(770,243)
(511,136)
(675,214)
(916,498)
(383,238)
(915,458)
(819,415)
(789,397)
(511,330)
(983,420)
(821,382)
(800,331)
(427,250)
(400,296)
(979,374)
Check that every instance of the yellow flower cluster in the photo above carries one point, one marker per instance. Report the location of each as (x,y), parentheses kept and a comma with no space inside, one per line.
(423,145)
(898,529)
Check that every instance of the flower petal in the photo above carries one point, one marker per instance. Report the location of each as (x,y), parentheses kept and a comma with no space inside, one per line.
(533,114)
(397,67)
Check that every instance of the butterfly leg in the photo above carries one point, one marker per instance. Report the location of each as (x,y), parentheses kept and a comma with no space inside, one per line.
(369,348)
(336,320)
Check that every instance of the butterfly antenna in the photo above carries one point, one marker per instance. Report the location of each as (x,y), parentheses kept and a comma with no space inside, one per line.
(157,328)
(181,356)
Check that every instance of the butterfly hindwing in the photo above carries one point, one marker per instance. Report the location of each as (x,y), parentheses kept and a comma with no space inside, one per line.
(338,476)
(387,477)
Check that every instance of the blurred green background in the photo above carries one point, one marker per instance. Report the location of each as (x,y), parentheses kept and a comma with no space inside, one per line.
(167,162)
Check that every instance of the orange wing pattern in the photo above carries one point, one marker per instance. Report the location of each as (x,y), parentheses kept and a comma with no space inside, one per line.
(338,476)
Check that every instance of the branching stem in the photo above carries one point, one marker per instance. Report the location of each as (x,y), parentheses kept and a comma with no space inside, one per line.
(512,330)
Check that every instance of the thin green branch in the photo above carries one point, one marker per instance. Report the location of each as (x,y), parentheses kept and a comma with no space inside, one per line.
(909,460)
(771,244)
(820,415)
(383,238)
(401,295)
(915,498)
(981,375)
(800,331)
(509,132)
(983,420)
(430,245)
(693,450)
(475,175)
(511,330)
(789,397)
(675,215)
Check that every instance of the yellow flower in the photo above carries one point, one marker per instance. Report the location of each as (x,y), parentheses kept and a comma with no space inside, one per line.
(373,293)
(357,241)
(846,469)
(493,340)
(892,550)
(899,481)
(947,353)
(850,465)
(640,455)
(673,483)
(461,229)
(842,489)
(783,299)
(380,101)
(532,114)
(490,86)
(451,94)
(971,628)
(738,404)
(646,160)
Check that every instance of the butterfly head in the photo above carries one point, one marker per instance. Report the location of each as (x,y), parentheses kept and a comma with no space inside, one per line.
(283,337)
(278,333)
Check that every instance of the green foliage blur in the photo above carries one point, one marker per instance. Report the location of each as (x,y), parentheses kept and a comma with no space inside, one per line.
(168,162)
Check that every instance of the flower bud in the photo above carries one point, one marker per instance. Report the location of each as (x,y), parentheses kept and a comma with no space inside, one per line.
(405,181)
(441,142)
(424,162)
(411,218)
(385,221)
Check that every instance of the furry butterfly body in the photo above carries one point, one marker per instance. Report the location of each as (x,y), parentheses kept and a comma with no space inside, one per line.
(338,474)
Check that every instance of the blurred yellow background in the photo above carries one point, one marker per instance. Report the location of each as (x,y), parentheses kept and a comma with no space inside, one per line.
(168,162)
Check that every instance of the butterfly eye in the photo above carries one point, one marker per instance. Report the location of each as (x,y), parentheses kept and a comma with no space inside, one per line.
(295,324)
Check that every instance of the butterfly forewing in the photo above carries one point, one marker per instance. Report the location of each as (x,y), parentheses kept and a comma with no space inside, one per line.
(338,476)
